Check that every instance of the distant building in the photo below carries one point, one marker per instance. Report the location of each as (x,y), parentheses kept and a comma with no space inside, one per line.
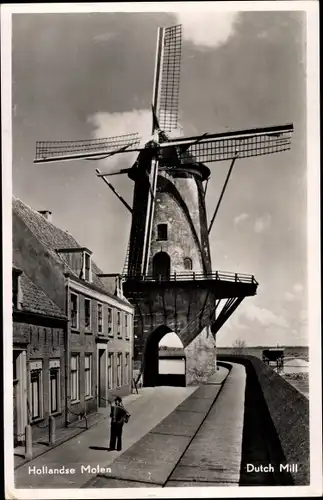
(100,320)
(39,343)
(274,356)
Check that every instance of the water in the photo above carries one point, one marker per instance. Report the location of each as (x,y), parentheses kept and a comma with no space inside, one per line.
(293,367)
(171,366)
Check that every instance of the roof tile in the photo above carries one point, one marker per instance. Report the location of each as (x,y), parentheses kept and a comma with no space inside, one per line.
(52,238)
(36,301)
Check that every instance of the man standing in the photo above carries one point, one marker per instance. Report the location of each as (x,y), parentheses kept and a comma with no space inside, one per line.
(119,416)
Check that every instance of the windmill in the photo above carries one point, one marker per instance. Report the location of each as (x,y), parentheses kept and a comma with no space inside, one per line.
(168,259)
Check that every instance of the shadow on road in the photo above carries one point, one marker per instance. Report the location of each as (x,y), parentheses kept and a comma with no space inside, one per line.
(260,443)
(99,448)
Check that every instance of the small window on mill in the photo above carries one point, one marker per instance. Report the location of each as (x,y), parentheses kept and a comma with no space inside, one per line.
(162,232)
(188,265)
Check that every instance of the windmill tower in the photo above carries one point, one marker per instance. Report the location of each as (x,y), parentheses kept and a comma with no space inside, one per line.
(168,274)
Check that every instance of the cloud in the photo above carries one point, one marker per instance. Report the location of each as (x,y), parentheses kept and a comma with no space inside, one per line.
(114,124)
(262,223)
(240,218)
(208,29)
(264,316)
(303,315)
(257,319)
(298,288)
(289,296)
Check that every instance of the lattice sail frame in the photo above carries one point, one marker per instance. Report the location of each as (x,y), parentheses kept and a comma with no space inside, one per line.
(168,91)
(203,149)
(65,150)
(241,144)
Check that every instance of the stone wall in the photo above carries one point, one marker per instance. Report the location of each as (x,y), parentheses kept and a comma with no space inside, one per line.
(180,242)
(288,413)
(200,358)
(45,343)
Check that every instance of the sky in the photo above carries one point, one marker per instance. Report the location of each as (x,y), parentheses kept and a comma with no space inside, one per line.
(82,75)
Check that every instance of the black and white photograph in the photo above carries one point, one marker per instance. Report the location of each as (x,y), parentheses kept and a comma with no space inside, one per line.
(161,249)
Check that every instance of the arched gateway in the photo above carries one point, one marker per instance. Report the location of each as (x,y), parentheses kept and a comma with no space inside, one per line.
(151,373)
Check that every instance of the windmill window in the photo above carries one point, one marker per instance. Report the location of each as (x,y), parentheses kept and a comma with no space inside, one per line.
(188,265)
(162,232)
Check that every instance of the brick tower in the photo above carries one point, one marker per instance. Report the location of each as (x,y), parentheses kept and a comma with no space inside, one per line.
(179,292)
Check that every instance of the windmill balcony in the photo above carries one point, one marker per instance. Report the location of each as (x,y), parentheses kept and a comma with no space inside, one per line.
(197,276)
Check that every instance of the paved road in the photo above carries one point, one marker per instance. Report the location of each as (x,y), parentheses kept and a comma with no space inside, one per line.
(213,457)
(199,444)
(90,448)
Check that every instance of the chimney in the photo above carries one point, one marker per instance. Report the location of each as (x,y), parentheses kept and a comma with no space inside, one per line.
(47,214)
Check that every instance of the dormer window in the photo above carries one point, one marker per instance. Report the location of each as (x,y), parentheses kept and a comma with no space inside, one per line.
(79,260)
(16,289)
(87,267)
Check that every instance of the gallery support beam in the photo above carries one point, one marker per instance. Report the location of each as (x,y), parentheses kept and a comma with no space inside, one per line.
(108,183)
(222,193)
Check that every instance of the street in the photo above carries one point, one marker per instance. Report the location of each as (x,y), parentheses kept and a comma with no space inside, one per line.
(147,409)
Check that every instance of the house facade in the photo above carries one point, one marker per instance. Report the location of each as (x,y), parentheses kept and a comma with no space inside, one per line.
(99,333)
(39,343)
(100,346)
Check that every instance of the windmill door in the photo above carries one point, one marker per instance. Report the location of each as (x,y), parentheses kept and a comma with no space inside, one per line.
(161,266)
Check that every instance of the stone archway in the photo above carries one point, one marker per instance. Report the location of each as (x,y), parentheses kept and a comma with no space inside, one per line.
(151,376)
(161,265)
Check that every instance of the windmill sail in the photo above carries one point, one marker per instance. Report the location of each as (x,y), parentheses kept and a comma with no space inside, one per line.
(226,146)
(165,114)
(167,77)
(50,151)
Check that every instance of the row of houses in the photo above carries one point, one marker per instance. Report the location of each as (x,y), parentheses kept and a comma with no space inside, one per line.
(72,327)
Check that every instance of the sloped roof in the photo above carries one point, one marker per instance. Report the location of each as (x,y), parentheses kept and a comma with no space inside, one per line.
(52,238)
(36,301)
